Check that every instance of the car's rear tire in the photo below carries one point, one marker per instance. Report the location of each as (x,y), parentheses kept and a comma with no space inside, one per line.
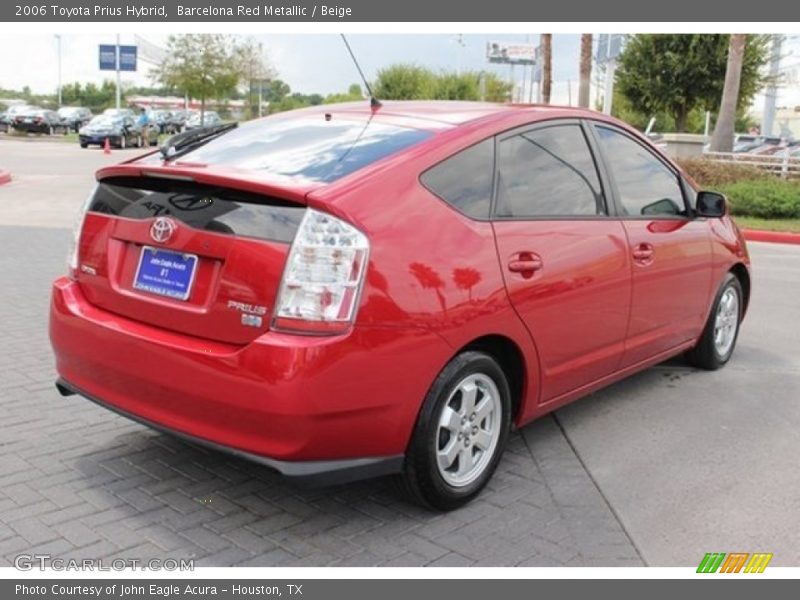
(84,145)
(718,340)
(460,434)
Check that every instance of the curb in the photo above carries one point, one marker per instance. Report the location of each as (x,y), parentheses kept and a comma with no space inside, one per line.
(775,237)
(5,177)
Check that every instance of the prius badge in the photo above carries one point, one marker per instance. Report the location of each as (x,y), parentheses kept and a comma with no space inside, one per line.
(162,229)
(252,314)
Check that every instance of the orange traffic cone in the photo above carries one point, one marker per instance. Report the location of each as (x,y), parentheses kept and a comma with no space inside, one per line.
(106,147)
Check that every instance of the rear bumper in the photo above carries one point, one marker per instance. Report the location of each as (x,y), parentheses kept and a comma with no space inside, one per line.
(32,128)
(319,408)
(311,473)
(99,139)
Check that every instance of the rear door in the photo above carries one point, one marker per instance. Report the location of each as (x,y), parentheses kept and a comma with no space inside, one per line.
(670,250)
(565,261)
(200,260)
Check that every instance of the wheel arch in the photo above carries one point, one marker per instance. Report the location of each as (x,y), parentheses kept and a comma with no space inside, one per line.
(743,275)
(511,359)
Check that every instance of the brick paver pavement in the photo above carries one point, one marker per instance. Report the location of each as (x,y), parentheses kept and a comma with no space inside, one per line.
(77,481)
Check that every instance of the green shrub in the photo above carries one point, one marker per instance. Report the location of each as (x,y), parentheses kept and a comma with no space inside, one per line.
(767,198)
(711,174)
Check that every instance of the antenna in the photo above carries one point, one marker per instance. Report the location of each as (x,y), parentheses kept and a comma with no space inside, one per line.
(373,101)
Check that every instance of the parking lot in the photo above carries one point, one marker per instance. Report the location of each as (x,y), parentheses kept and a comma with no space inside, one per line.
(656,470)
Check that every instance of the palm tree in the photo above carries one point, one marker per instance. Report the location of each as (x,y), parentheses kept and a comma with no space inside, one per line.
(722,140)
(585,70)
(547,66)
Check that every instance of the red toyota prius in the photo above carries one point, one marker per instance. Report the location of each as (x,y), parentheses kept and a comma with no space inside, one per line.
(350,291)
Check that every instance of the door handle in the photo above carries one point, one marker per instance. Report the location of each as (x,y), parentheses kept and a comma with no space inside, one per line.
(525,263)
(643,252)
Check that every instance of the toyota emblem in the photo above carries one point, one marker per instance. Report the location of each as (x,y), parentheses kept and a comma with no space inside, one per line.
(162,229)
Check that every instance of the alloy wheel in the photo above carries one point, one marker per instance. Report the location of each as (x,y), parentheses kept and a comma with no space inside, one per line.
(468,430)
(726,321)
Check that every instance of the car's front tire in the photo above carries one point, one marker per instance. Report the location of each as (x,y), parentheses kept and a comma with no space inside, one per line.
(460,434)
(718,340)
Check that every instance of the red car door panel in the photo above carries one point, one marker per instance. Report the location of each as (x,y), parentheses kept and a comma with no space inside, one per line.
(576,304)
(670,288)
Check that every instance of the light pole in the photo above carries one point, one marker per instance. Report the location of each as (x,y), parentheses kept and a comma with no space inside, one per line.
(58,40)
(260,77)
(771,93)
(459,41)
(608,98)
(118,90)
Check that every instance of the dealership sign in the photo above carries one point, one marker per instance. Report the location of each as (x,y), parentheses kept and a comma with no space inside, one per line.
(108,57)
(511,54)
(609,46)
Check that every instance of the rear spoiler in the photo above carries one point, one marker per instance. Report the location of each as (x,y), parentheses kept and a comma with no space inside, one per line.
(235,179)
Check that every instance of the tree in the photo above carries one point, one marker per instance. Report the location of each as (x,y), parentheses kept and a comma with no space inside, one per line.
(353,94)
(255,69)
(547,66)
(203,65)
(495,89)
(411,82)
(722,139)
(678,73)
(405,82)
(89,95)
(456,86)
(292,101)
(585,70)
(276,91)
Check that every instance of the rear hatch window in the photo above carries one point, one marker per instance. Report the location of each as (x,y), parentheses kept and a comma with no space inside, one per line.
(203,207)
(312,148)
(212,272)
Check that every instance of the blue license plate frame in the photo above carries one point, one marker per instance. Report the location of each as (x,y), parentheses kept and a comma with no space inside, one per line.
(165,273)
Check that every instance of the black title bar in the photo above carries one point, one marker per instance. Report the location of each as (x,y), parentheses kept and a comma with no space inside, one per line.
(489,11)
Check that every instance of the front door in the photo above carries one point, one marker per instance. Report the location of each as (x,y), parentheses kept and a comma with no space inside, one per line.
(670,251)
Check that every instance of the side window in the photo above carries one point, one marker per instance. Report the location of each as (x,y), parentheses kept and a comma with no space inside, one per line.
(465,179)
(547,172)
(646,185)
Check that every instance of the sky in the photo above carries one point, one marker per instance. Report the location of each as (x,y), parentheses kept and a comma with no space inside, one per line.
(309,62)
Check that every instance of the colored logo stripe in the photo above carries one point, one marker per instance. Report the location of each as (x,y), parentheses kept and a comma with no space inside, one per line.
(711,562)
(734,562)
(758,562)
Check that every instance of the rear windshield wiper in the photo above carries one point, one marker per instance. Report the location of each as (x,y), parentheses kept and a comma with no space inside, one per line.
(182,143)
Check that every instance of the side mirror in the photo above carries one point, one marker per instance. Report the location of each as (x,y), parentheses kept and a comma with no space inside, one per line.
(711,204)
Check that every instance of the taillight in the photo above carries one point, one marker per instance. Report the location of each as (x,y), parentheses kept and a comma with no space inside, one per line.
(72,255)
(323,277)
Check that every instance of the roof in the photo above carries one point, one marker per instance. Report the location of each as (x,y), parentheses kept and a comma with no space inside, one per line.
(430,114)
